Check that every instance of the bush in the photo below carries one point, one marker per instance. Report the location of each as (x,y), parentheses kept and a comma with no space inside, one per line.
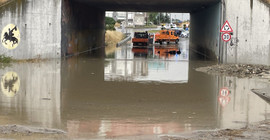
(119,21)
(110,27)
(5,59)
(109,22)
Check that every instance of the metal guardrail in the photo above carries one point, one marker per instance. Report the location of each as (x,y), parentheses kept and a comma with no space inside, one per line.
(124,41)
(5,3)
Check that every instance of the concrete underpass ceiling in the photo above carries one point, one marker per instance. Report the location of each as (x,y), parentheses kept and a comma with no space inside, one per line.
(184,6)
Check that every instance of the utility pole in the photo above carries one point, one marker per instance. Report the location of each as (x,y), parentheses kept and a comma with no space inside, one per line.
(171,17)
(159,18)
(126,21)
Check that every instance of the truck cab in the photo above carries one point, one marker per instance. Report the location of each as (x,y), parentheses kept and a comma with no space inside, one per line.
(140,39)
(166,36)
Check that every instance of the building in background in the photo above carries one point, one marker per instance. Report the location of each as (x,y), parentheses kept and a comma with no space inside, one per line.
(139,18)
(133,18)
(181,16)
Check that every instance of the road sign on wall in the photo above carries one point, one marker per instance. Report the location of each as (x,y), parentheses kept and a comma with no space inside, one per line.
(10,36)
(226,37)
(226,28)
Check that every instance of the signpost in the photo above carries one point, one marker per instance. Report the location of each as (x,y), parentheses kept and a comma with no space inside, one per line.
(226,30)
(224,97)
(223,101)
(224,92)
(226,37)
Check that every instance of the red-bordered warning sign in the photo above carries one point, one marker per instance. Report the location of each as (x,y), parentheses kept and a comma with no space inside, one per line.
(226,37)
(226,28)
(224,92)
(224,101)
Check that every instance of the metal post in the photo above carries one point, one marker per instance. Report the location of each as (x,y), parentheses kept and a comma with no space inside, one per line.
(226,51)
(126,21)
(236,41)
(159,18)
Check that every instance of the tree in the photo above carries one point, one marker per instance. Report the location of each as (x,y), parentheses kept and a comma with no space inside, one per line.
(153,17)
(109,23)
(167,18)
(184,26)
(163,18)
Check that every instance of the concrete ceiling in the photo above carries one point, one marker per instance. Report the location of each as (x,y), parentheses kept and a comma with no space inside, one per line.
(184,6)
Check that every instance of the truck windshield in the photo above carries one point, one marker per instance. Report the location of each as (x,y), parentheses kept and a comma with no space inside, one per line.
(141,35)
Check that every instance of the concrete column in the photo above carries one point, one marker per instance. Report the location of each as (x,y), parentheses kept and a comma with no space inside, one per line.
(83,29)
(204,33)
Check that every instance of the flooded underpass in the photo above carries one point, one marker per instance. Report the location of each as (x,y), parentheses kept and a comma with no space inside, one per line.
(134,93)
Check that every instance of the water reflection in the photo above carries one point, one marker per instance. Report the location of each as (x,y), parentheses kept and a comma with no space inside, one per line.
(146,71)
(74,96)
(166,64)
(119,109)
(110,129)
(242,107)
(37,90)
(160,52)
(10,84)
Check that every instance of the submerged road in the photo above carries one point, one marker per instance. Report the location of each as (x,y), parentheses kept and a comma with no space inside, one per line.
(132,94)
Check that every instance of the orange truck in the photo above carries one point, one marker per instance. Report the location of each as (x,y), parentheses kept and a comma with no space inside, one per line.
(140,39)
(166,36)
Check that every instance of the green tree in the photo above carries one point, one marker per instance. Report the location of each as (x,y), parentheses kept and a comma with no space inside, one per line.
(167,18)
(153,17)
(109,23)
(163,18)
(184,26)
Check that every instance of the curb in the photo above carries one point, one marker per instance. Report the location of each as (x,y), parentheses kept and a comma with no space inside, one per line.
(124,41)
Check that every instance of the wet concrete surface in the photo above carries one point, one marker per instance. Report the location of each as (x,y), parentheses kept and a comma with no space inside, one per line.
(131,94)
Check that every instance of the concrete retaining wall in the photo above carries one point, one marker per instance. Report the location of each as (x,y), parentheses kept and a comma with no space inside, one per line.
(83,29)
(250,20)
(39,24)
(204,34)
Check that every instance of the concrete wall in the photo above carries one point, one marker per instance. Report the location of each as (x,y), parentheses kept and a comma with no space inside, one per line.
(39,23)
(83,29)
(250,20)
(204,33)
(35,97)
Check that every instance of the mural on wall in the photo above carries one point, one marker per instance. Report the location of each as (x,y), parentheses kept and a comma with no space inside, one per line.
(10,36)
(10,84)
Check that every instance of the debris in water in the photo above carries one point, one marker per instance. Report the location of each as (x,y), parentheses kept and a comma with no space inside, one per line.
(11,129)
(238,70)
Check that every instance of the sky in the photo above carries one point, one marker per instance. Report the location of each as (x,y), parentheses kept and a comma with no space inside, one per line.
(181,16)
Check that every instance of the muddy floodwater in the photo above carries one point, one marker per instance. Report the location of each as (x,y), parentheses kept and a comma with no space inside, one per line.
(134,93)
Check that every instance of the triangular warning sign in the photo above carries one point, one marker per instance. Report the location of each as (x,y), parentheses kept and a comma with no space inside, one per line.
(226,27)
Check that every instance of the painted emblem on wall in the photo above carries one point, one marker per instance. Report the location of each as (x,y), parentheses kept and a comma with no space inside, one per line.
(10,36)
(10,84)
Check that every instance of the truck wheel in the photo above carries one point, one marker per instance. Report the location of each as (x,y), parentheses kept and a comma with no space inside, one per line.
(168,42)
(176,41)
(160,42)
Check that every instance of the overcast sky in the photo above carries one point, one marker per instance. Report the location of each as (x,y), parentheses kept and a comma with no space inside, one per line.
(181,16)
